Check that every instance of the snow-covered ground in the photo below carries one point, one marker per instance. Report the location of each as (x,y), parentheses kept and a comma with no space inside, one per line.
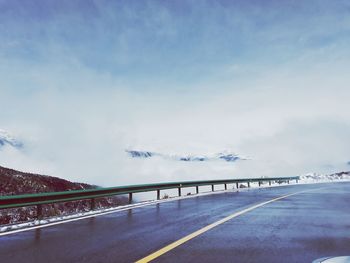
(314,177)
(304,179)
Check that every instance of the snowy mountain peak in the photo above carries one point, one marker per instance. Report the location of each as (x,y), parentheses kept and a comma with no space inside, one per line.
(140,154)
(7,139)
(223,156)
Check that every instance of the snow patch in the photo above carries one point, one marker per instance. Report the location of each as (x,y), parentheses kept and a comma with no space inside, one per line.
(7,139)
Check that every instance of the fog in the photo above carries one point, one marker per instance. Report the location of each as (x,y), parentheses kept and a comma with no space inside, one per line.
(277,93)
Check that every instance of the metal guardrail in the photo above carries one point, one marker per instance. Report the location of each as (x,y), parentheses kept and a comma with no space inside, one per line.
(14,201)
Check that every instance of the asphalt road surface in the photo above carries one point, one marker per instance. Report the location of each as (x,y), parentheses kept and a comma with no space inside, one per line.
(308,222)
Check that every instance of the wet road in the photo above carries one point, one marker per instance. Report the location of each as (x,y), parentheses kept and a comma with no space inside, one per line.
(298,228)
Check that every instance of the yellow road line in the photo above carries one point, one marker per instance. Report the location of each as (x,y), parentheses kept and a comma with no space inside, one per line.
(179,242)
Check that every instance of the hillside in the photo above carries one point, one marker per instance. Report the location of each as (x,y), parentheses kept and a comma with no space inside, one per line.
(13,182)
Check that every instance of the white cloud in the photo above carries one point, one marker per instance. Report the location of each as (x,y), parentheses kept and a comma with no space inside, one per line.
(283,101)
(288,123)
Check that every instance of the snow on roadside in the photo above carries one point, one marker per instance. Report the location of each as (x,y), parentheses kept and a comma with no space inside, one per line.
(310,178)
(316,178)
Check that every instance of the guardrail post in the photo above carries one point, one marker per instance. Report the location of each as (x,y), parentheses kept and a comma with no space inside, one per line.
(248,184)
(93,203)
(212,188)
(93,195)
(39,211)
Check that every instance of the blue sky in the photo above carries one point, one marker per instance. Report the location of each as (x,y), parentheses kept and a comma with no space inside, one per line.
(100,76)
(177,42)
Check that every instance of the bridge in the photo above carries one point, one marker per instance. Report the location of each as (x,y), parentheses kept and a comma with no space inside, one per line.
(288,223)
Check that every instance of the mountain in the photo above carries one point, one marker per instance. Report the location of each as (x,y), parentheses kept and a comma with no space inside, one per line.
(141,154)
(225,156)
(13,182)
(7,139)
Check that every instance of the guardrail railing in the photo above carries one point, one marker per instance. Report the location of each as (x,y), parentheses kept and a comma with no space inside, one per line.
(14,201)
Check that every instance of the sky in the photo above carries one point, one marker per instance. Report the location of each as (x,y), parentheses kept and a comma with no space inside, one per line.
(81,81)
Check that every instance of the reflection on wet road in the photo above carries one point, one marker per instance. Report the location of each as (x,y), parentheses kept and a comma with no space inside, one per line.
(298,228)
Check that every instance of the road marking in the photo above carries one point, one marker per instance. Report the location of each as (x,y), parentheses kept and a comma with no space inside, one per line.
(115,210)
(183,240)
